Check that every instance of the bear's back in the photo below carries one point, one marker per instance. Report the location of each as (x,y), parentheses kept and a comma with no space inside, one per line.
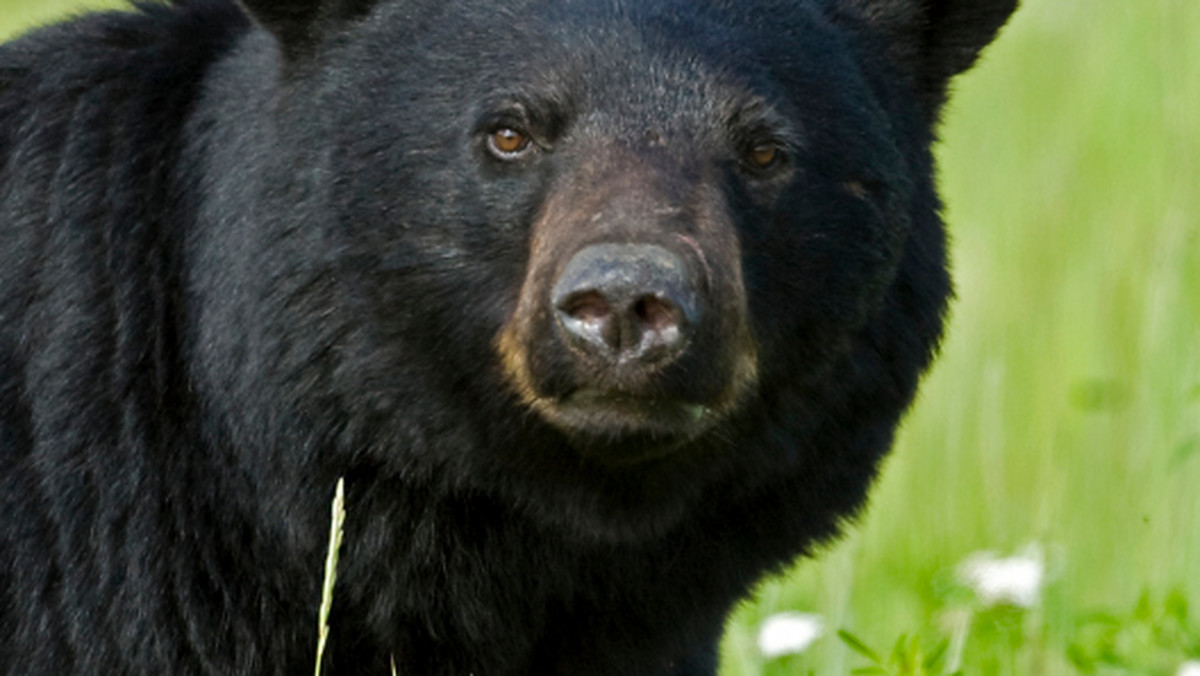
(91,119)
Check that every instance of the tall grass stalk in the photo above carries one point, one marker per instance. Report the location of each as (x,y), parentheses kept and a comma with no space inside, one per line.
(337,520)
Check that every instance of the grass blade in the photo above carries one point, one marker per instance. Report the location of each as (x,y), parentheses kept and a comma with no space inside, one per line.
(858,646)
(337,520)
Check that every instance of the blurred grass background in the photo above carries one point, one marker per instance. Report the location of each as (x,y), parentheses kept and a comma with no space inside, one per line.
(17,16)
(1065,409)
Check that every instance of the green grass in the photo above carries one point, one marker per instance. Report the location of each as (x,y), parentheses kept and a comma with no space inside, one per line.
(1065,409)
(337,521)
(17,16)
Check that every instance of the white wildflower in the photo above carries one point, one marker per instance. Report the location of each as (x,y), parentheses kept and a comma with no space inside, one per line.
(1189,668)
(1015,580)
(788,633)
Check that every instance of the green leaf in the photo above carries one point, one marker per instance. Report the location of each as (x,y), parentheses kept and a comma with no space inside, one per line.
(858,646)
(906,655)
(900,650)
(1145,607)
(935,657)
(1177,603)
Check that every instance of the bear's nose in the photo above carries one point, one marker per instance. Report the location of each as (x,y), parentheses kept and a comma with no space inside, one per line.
(626,302)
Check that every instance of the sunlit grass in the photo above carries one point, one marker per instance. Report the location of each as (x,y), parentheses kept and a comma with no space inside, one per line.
(337,522)
(17,16)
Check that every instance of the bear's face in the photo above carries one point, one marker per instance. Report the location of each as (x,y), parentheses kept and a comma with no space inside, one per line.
(627,223)
(594,259)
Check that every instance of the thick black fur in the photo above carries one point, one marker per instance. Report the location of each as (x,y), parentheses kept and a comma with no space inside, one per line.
(242,257)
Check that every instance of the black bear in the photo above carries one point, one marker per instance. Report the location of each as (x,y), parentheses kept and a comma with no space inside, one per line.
(603,309)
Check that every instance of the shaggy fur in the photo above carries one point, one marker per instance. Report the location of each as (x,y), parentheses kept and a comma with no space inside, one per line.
(247,251)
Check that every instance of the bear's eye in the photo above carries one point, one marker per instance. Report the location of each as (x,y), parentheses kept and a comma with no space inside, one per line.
(507,143)
(765,155)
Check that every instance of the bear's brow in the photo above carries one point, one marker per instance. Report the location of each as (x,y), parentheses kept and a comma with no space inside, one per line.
(755,115)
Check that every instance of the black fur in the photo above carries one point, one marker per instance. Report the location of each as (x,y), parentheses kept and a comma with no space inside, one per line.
(242,257)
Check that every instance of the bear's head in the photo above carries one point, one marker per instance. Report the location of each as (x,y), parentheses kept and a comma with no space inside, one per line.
(606,256)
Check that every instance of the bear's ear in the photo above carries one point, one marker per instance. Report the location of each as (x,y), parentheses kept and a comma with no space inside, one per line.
(300,24)
(933,40)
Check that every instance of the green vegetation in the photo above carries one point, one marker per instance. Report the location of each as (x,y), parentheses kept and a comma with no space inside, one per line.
(1065,410)
(336,530)
(17,16)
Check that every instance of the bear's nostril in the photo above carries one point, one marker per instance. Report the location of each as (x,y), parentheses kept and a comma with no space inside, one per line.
(656,314)
(586,317)
(658,324)
(590,306)
(624,302)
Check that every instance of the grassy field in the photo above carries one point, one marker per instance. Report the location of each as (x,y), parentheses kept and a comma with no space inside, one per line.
(1065,410)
